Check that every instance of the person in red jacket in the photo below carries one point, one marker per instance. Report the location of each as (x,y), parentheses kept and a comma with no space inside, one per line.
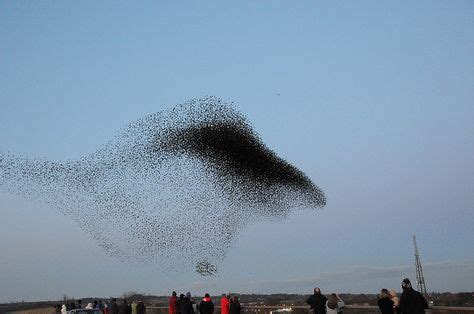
(225,303)
(173,304)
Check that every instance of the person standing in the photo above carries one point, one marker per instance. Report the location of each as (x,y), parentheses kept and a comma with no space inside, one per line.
(179,303)
(317,302)
(123,308)
(187,304)
(141,309)
(334,304)
(225,303)
(411,301)
(234,307)
(134,306)
(113,308)
(101,306)
(385,303)
(396,301)
(206,306)
(173,304)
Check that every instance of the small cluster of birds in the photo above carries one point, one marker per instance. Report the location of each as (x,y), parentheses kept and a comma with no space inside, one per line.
(205,268)
(172,187)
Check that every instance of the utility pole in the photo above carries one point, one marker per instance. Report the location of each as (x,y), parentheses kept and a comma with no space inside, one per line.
(420,279)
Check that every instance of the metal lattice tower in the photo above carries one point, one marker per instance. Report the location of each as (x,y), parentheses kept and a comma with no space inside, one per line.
(420,279)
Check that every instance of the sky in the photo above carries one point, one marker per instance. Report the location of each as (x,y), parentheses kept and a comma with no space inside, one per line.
(372,100)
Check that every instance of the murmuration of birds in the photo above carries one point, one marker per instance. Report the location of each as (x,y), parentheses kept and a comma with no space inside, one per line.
(173,188)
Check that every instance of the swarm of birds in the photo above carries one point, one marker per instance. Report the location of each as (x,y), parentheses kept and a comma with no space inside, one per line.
(174,187)
(204,268)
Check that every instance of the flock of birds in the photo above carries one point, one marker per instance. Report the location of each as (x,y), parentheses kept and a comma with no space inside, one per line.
(174,187)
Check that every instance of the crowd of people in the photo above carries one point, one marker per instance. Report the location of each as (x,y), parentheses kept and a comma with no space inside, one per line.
(185,304)
(319,303)
(410,301)
(111,307)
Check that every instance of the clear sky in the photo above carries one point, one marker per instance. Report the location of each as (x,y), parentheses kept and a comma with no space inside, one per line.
(373,100)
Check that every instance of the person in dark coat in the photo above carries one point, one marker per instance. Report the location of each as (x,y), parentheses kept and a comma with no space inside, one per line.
(206,306)
(234,307)
(123,308)
(385,303)
(411,301)
(317,302)
(113,308)
(178,303)
(141,309)
(187,304)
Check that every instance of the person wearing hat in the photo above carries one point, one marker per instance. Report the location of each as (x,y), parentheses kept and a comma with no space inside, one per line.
(411,301)
(187,304)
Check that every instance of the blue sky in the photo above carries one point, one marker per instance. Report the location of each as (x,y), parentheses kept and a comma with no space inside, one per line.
(373,100)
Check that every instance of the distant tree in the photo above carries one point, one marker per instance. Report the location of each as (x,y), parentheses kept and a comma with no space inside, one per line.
(66,298)
(127,295)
